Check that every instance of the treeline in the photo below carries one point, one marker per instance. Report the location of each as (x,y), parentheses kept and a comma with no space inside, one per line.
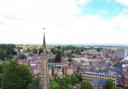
(17,76)
(7,51)
(67,82)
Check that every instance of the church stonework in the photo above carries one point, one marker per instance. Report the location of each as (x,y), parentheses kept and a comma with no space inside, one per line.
(44,81)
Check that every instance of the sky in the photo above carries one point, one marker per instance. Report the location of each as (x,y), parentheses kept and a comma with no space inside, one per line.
(66,21)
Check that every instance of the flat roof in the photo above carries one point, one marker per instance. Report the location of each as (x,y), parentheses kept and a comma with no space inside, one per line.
(100,72)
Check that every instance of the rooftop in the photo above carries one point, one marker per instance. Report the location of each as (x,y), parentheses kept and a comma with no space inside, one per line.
(103,72)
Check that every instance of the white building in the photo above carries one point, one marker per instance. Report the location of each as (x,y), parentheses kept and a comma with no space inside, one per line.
(125,67)
(122,53)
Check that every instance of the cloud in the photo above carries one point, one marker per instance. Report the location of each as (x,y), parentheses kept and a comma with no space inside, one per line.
(83,2)
(95,30)
(1,23)
(12,18)
(123,2)
(62,24)
(1,20)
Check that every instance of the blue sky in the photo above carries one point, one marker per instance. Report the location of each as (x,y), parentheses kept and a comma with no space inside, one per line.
(107,9)
(66,21)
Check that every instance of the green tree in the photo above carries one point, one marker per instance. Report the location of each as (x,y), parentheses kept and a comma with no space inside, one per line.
(10,48)
(65,86)
(34,50)
(79,76)
(70,59)
(0,74)
(34,83)
(109,83)
(2,54)
(51,59)
(67,79)
(7,51)
(86,85)
(2,67)
(54,85)
(16,76)
(74,80)
(21,56)
(116,87)
(52,67)
(99,49)
(65,83)
(69,54)
(28,50)
(57,79)
(58,57)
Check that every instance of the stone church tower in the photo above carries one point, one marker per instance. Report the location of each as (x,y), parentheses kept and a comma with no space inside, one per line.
(44,81)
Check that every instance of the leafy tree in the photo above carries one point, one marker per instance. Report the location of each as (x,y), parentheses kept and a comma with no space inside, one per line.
(2,68)
(86,85)
(67,79)
(109,84)
(54,84)
(2,54)
(54,50)
(99,49)
(6,51)
(79,76)
(69,54)
(34,50)
(35,83)
(10,48)
(1,71)
(22,56)
(65,86)
(66,82)
(58,57)
(51,59)
(57,79)
(115,87)
(74,80)
(70,59)
(16,76)
(52,67)
(28,50)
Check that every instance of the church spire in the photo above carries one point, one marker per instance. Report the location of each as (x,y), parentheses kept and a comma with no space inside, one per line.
(44,41)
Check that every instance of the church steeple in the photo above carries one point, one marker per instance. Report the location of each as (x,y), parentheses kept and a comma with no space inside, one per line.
(44,81)
(44,41)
